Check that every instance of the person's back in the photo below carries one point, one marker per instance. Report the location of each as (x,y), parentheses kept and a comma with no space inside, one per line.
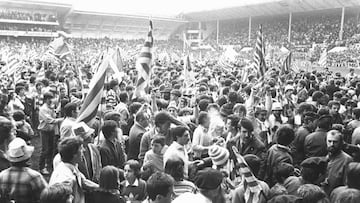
(22,184)
(315,144)
(101,196)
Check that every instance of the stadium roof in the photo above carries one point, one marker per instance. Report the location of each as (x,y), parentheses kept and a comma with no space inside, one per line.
(275,7)
(62,8)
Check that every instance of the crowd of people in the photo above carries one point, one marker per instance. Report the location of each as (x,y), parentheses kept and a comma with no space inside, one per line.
(225,136)
(290,137)
(32,28)
(24,15)
(305,30)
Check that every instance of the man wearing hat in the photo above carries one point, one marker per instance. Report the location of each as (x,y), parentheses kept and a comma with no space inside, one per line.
(19,182)
(209,182)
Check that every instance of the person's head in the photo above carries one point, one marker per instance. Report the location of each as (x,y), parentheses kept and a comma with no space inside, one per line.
(232,122)
(219,155)
(132,170)
(48,98)
(285,135)
(109,129)
(175,168)
(180,134)
(109,178)
(142,118)
(348,195)
(312,193)
(356,113)
(70,149)
(71,110)
(7,129)
(325,122)
(114,84)
(313,169)
(160,187)
(334,140)
(353,175)
(157,144)
(57,193)
(20,90)
(19,115)
(204,119)
(246,128)
(163,121)
(123,97)
(283,171)
(261,114)
(209,182)
(334,107)
(239,110)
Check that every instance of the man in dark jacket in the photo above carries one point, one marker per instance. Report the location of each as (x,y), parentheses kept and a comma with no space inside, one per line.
(111,150)
(300,135)
(315,143)
(247,143)
(136,133)
(279,152)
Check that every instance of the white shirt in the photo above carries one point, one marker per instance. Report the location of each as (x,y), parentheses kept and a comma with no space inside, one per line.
(179,151)
(190,197)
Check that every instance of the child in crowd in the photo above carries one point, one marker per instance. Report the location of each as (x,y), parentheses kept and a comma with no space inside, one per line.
(133,187)
(155,155)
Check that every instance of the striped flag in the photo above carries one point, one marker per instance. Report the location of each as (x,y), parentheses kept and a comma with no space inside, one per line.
(143,65)
(12,65)
(59,48)
(323,58)
(259,56)
(92,100)
(251,185)
(286,64)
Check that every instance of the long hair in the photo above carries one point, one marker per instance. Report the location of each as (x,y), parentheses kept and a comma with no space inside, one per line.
(109,178)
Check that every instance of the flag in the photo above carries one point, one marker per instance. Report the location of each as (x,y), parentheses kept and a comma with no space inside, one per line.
(12,65)
(323,58)
(116,64)
(59,48)
(259,59)
(143,65)
(286,64)
(252,187)
(92,100)
(189,77)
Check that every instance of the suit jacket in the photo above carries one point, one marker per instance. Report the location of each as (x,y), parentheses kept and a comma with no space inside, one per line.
(135,135)
(112,154)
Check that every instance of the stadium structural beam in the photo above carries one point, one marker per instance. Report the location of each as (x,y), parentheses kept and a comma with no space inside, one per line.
(217,31)
(290,22)
(342,23)
(249,29)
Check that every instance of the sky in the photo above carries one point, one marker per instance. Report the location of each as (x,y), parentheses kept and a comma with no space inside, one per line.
(153,7)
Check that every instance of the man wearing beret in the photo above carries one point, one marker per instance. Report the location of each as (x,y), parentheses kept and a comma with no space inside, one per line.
(209,182)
